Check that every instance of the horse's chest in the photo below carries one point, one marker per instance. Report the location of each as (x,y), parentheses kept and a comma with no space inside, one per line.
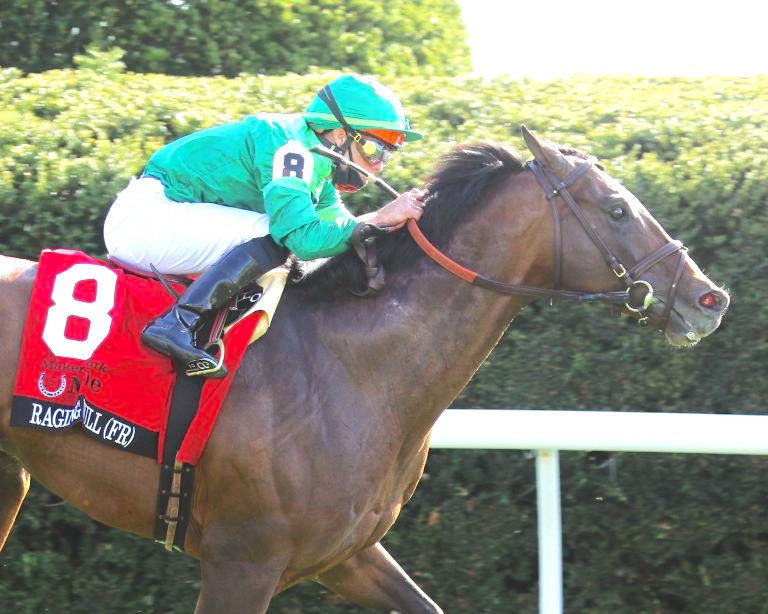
(378,502)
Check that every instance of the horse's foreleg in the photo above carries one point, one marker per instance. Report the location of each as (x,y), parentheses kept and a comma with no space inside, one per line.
(372,578)
(236,587)
(14,485)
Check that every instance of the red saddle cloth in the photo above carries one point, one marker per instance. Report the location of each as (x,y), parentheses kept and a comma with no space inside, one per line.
(82,361)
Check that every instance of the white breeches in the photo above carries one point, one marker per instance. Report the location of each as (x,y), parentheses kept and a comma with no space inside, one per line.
(145,227)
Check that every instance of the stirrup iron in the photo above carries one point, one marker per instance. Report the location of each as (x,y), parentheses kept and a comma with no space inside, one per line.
(205,366)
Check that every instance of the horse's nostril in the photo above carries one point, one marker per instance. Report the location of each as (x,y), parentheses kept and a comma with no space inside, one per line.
(712,300)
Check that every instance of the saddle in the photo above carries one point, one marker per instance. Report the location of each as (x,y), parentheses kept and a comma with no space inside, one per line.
(82,363)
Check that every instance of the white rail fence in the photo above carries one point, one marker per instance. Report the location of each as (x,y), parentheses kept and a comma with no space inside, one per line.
(547,432)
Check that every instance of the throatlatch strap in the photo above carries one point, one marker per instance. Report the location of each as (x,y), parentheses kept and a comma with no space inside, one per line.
(174,496)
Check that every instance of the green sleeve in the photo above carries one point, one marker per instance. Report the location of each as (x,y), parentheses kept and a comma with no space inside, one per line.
(329,206)
(294,222)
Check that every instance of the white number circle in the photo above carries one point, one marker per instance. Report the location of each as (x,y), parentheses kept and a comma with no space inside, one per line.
(66,305)
(293,160)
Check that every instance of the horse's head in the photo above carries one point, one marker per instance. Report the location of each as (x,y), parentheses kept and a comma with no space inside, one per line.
(609,240)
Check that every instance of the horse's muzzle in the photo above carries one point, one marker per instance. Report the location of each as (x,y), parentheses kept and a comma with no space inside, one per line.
(690,322)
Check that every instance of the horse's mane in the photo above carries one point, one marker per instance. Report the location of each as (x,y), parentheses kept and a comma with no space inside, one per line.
(459,185)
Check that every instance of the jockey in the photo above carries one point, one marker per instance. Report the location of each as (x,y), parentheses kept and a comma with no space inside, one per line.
(230,202)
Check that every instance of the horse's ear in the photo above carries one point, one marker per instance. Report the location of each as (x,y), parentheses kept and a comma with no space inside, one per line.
(545,151)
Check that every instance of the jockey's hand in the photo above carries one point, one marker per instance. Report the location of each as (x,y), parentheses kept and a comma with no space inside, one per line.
(394,215)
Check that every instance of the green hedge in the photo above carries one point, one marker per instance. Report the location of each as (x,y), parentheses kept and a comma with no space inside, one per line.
(643,533)
(229,37)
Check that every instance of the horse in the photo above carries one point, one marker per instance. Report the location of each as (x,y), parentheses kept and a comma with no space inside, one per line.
(325,432)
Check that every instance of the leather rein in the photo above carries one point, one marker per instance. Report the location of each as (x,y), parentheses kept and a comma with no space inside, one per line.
(554,188)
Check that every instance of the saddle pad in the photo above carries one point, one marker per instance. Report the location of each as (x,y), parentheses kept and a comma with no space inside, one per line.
(82,360)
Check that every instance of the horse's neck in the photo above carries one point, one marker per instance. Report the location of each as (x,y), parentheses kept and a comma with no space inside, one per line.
(454,333)
(416,345)
(411,349)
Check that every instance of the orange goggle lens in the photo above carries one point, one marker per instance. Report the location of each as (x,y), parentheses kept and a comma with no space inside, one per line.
(396,139)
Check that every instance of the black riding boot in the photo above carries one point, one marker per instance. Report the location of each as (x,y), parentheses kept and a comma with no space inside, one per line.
(174,333)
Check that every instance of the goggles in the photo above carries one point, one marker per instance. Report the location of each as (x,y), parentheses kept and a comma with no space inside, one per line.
(374,150)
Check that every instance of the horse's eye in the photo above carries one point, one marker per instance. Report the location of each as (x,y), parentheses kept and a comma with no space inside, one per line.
(618,212)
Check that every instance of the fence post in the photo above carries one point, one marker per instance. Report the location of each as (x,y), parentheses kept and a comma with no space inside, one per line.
(549,431)
(550,532)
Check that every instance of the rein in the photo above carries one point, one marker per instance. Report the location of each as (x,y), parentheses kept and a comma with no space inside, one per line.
(554,188)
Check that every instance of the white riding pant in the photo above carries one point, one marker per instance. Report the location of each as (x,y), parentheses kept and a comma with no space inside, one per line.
(143,227)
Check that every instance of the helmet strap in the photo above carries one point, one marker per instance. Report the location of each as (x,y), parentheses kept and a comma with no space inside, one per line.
(342,149)
(344,177)
(326,95)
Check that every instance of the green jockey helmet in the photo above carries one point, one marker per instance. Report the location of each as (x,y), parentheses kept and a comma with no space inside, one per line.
(365,104)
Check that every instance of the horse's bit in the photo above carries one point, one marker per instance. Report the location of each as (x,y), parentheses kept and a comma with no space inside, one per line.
(553,188)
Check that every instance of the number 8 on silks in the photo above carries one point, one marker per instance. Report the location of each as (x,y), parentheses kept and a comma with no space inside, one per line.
(66,305)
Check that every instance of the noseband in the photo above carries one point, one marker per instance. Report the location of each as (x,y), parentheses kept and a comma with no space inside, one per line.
(632,277)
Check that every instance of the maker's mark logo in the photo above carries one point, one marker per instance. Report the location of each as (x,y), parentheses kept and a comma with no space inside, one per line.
(52,393)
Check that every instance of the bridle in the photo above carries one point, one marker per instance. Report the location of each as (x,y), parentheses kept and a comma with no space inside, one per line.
(632,277)
(553,188)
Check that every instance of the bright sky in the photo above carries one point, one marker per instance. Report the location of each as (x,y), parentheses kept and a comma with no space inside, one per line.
(543,39)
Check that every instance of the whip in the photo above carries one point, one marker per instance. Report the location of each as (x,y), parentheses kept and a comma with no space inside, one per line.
(329,153)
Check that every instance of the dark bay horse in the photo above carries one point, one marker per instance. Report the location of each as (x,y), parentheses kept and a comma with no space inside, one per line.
(325,432)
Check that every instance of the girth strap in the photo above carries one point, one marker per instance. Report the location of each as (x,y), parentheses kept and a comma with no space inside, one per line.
(174,494)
